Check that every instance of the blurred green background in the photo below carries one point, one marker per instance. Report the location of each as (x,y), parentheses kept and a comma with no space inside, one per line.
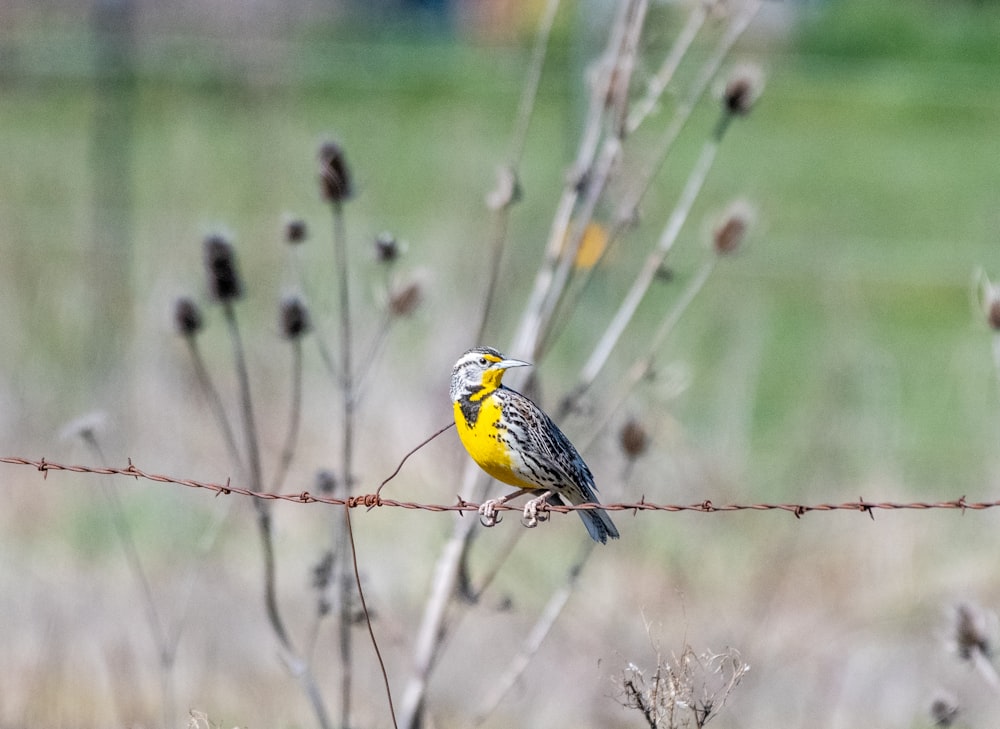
(841,354)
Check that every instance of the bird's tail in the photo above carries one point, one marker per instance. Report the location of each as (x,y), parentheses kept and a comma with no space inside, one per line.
(599,524)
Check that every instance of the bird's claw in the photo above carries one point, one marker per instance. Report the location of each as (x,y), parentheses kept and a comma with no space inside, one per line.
(532,517)
(488,514)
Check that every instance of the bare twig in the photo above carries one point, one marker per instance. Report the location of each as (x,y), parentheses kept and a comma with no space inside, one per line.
(341,533)
(534,639)
(654,261)
(294,417)
(165,647)
(509,174)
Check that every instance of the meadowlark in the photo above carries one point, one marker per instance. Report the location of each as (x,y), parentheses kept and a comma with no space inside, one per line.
(515,442)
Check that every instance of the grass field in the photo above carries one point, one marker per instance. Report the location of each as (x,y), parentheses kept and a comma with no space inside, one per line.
(840,355)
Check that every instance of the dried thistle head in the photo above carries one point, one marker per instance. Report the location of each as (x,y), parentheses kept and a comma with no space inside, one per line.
(187,316)
(993,310)
(334,174)
(507,190)
(296,231)
(86,427)
(743,88)
(326,481)
(405,300)
(224,282)
(633,438)
(295,320)
(386,247)
(944,710)
(970,632)
(990,296)
(728,235)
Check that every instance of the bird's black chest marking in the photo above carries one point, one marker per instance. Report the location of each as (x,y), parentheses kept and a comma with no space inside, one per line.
(471,404)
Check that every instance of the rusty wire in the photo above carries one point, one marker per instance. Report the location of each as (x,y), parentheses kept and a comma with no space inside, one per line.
(373,500)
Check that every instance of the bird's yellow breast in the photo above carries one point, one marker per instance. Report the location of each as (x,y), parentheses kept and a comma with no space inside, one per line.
(486,441)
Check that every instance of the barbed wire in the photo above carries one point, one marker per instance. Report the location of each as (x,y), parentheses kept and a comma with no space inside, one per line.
(373,500)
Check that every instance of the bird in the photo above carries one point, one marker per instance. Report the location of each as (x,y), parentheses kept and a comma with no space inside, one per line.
(515,442)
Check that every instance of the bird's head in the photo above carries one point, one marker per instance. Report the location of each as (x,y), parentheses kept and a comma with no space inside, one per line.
(478,369)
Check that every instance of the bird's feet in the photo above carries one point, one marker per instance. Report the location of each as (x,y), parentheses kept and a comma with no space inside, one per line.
(532,517)
(488,514)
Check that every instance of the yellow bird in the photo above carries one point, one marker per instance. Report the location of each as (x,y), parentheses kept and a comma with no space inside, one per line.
(514,441)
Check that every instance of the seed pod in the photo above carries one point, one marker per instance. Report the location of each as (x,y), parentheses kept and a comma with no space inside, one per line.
(633,438)
(187,317)
(334,174)
(386,247)
(294,318)
(295,231)
(224,282)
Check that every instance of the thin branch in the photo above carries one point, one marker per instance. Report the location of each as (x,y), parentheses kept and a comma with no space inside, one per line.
(654,261)
(253,459)
(662,78)
(525,111)
(532,321)
(294,417)
(126,539)
(539,632)
(341,535)
(644,364)
(211,394)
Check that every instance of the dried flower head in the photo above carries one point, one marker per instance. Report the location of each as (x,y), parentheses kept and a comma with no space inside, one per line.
(633,438)
(970,631)
(224,281)
(334,174)
(187,316)
(294,318)
(993,310)
(386,247)
(507,190)
(742,90)
(86,427)
(326,481)
(991,303)
(944,710)
(295,231)
(405,300)
(728,235)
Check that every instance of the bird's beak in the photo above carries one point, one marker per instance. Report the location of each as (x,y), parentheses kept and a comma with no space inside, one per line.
(506,364)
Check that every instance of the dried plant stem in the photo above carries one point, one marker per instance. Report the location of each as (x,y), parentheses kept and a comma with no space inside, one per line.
(211,393)
(294,418)
(654,261)
(986,670)
(626,212)
(431,632)
(526,107)
(529,333)
(165,648)
(534,639)
(265,528)
(366,366)
(341,536)
(318,335)
(254,472)
(644,364)
(665,74)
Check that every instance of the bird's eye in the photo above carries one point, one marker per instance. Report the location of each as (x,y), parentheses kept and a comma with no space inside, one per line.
(482,361)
